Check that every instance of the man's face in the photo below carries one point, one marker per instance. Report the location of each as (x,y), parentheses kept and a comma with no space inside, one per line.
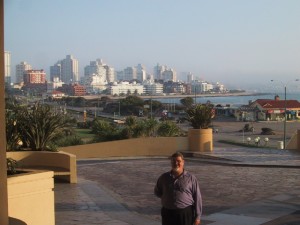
(177,164)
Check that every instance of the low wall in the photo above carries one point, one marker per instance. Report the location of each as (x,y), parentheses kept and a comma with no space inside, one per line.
(63,164)
(31,198)
(156,146)
(294,142)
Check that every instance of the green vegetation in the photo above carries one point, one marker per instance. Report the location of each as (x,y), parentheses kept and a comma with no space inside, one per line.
(168,129)
(187,102)
(200,116)
(84,133)
(42,127)
(133,128)
(11,165)
(36,127)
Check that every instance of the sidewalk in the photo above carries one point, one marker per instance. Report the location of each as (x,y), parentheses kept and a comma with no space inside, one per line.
(120,191)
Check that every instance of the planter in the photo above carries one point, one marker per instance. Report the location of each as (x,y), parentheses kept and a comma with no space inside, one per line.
(63,164)
(200,140)
(31,198)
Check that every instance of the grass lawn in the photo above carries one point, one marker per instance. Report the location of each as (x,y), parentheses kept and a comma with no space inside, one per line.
(84,134)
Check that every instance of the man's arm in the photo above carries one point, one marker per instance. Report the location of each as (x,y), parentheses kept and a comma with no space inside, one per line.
(197,201)
(158,188)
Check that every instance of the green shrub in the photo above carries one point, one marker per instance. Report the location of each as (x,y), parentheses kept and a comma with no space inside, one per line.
(11,165)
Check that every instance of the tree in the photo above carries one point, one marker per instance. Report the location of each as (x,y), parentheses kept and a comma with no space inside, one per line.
(39,126)
(131,104)
(187,102)
(200,116)
(105,131)
(168,129)
(130,124)
(12,135)
(150,127)
(155,104)
(79,102)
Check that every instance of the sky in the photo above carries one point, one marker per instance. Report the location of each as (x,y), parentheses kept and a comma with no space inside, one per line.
(241,43)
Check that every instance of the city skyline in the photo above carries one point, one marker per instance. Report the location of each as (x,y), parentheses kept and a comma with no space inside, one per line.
(239,43)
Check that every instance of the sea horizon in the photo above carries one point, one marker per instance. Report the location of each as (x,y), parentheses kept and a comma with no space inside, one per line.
(233,100)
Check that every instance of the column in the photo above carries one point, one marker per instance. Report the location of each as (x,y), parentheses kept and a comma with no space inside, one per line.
(3,176)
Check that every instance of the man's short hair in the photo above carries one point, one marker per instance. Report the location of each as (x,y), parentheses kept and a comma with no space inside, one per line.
(177,154)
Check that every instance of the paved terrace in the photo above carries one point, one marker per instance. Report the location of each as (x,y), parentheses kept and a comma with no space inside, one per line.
(240,186)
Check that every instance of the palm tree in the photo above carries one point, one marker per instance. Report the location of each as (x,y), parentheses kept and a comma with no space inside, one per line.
(150,127)
(39,126)
(130,124)
(200,116)
(12,135)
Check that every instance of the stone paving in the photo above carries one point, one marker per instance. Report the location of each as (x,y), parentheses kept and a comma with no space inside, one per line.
(120,191)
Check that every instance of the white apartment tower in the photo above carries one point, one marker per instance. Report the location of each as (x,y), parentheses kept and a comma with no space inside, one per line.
(95,67)
(69,70)
(7,69)
(20,69)
(158,71)
(140,73)
(110,74)
(100,69)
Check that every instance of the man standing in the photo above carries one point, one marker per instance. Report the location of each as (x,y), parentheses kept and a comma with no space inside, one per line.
(180,195)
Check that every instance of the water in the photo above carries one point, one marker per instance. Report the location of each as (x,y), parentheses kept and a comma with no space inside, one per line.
(232,100)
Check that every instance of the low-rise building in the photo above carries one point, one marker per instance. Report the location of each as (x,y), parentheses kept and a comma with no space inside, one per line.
(126,88)
(73,89)
(152,88)
(272,109)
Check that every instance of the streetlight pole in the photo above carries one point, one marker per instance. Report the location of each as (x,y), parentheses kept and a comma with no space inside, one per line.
(195,94)
(285,117)
(285,109)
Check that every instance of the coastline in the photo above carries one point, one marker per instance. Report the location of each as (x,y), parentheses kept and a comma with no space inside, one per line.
(90,97)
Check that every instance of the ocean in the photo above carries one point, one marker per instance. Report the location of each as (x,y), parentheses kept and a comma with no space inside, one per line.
(232,100)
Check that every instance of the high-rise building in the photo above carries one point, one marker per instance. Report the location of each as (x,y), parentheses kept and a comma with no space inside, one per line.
(95,68)
(20,69)
(69,70)
(120,75)
(158,71)
(110,74)
(169,75)
(130,74)
(190,77)
(100,69)
(7,69)
(55,71)
(140,73)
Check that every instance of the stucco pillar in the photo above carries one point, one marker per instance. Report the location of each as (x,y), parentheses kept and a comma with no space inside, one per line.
(298,140)
(3,176)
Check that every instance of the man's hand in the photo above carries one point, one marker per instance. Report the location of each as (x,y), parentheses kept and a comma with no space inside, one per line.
(197,222)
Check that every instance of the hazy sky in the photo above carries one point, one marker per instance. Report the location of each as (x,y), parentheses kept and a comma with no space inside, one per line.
(240,42)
